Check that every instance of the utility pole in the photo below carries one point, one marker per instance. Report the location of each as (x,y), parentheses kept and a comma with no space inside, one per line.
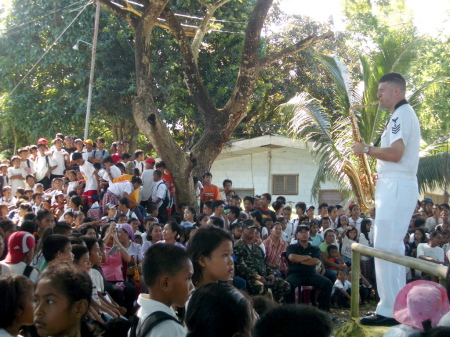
(91,75)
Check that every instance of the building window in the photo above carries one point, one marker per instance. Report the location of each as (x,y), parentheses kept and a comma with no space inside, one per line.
(285,184)
(331,197)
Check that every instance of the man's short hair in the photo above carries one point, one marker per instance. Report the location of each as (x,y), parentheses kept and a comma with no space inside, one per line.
(217,203)
(77,156)
(235,210)
(101,140)
(227,181)
(161,164)
(208,204)
(108,159)
(287,208)
(207,174)
(394,78)
(338,207)
(126,156)
(330,208)
(301,205)
(157,173)
(277,205)
(331,247)
(323,204)
(324,218)
(298,320)
(216,221)
(251,199)
(419,222)
(162,259)
(137,153)
(268,196)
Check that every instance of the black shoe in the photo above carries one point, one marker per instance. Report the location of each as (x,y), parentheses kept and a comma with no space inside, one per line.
(378,320)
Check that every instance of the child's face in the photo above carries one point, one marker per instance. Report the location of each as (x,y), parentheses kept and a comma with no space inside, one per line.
(16,163)
(54,313)
(138,240)
(325,224)
(342,276)
(91,233)
(122,219)
(134,225)
(180,285)
(95,255)
(334,253)
(219,266)
(85,263)
(66,255)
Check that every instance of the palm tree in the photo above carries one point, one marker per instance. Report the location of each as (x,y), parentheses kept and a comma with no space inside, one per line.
(330,138)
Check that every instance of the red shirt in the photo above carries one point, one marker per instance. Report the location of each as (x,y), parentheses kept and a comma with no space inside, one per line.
(211,193)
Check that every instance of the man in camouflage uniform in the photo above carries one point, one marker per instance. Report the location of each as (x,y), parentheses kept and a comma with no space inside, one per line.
(253,267)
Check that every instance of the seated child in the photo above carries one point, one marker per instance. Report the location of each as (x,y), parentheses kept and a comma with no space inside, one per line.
(20,254)
(341,290)
(167,272)
(333,253)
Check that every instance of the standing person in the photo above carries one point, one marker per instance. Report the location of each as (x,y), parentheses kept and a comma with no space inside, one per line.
(44,165)
(160,195)
(61,158)
(211,192)
(396,193)
(89,175)
(147,181)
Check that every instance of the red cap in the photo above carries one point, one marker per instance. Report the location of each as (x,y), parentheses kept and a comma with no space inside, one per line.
(19,244)
(150,161)
(43,141)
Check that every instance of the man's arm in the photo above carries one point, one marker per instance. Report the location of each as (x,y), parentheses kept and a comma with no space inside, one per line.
(303,259)
(393,153)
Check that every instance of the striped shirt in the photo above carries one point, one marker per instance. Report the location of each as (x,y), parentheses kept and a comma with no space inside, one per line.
(273,252)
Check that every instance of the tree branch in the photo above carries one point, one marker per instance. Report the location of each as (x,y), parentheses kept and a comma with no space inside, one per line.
(299,46)
(247,71)
(201,31)
(120,13)
(191,74)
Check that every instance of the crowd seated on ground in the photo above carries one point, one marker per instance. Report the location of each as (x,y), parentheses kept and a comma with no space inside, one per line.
(114,216)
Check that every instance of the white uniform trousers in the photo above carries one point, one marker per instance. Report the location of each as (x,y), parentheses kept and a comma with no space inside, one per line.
(395,199)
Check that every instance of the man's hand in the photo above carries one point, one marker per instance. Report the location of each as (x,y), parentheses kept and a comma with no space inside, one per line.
(270,279)
(358,147)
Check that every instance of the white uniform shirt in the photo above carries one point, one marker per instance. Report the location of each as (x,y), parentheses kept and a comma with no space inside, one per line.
(437,253)
(159,190)
(147,184)
(87,170)
(43,163)
(28,165)
(404,125)
(58,157)
(115,173)
(119,188)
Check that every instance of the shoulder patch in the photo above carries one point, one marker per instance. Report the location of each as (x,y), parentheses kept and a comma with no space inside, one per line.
(396,127)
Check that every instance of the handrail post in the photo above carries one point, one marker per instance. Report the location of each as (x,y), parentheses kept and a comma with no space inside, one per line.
(356,269)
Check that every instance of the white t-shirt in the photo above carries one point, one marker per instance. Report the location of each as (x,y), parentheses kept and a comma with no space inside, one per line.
(346,249)
(119,188)
(437,253)
(147,184)
(87,170)
(140,165)
(59,158)
(338,285)
(159,190)
(18,269)
(163,329)
(431,224)
(28,165)
(97,283)
(15,183)
(404,125)
(115,173)
(42,166)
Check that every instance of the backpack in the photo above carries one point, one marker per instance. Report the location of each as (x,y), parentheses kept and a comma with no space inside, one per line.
(166,199)
(27,271)
(142,329)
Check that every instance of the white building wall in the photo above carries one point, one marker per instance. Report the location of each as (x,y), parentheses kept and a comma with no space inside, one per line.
(254,171)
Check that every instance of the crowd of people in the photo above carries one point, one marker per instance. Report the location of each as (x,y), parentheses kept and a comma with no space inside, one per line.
(94,238)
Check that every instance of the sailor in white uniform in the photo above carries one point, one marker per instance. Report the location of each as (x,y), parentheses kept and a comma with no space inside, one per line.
(396,191)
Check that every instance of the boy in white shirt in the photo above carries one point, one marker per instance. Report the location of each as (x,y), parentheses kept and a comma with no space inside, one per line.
(342,290)
(167,272)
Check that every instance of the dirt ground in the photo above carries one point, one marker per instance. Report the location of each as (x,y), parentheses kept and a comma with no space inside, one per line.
(341,315)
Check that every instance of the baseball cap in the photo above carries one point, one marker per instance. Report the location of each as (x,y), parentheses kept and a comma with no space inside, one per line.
(19,244)
(42,141)
(247,224)
(77,140)
(88,141)
(299,228)
(309,207)
(56,139)
(150,161)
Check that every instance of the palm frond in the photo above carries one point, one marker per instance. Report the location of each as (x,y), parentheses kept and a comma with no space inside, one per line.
(341,77)
(432,87)
(433,172)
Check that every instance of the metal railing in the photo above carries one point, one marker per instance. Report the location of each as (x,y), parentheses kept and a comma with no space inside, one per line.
(411,262)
